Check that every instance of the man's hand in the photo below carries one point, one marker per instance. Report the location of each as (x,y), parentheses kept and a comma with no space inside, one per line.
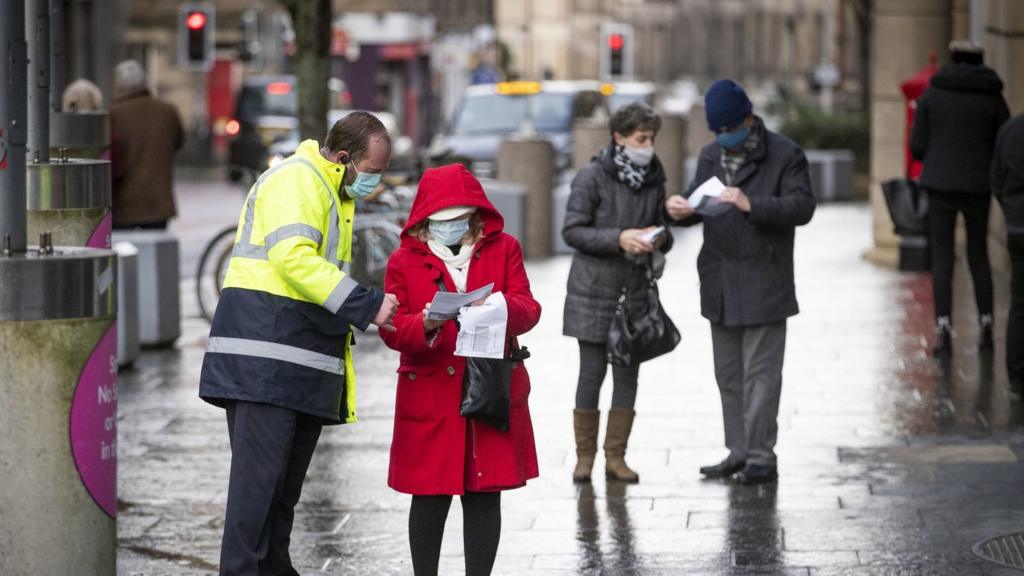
(678,207)
(430,325)
(631,241)
(386,315)
(736,197)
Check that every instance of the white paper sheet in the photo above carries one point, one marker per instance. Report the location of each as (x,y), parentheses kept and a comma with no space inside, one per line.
(446,305)
(705,198)
(651,236)
(482,329)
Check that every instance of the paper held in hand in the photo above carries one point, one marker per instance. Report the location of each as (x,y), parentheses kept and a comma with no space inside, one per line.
(705,198)
(482,329)
(446,305)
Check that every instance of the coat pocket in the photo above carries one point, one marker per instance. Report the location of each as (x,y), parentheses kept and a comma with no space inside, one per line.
(417,392)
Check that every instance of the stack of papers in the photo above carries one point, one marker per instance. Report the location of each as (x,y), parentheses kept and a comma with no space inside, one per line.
(705,198)
(446,305)
(482,329)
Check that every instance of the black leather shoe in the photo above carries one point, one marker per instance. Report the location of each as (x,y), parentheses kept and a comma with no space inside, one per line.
(757,474)
(723,469)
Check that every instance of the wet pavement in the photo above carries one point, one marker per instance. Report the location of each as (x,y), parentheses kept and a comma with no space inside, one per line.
(890,462)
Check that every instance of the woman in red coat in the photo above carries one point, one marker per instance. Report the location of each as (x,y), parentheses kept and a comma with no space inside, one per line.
(454,236)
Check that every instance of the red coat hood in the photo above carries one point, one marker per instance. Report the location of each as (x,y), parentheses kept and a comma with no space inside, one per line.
(447,186)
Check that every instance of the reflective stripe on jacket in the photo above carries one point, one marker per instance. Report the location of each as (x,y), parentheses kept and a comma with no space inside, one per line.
(282,330)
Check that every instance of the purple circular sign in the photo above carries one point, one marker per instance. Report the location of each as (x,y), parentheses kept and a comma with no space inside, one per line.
(94,423)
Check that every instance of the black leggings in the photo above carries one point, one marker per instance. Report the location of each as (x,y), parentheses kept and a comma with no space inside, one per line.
(593,367)
(481,530)
(943,208)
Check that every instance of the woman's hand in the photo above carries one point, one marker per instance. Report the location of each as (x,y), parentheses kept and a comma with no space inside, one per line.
(631,241)
(678,207)
(428,324)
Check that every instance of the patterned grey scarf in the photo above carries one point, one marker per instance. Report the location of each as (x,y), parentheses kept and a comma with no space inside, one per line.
(629,174)
(733,160)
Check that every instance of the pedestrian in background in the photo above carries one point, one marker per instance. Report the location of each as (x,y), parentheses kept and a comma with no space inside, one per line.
(455,239)
(954,133)
(1008,187)
(146,135)
(82,96)
(616,200)
(747,289)
(279,358)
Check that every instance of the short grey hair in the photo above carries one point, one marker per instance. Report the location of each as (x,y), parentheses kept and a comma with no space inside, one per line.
(636,116)
(82,96)
(129,77)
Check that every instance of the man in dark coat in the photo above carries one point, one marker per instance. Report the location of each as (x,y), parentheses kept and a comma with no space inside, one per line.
(746,271)
(954,133)
(1008,186)
(146,134)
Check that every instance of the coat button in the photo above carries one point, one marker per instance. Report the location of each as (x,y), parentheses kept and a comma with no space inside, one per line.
(451,370)
(412,376)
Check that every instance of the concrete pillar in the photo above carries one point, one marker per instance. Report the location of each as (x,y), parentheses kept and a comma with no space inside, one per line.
(589,136)
(904,33)
(671,149)
(530,161)
(697,134)
(58,398)
(70,199)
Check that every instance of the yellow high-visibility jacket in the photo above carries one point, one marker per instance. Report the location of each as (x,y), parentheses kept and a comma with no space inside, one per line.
(282,333)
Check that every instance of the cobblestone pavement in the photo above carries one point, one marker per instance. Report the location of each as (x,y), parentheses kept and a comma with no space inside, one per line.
(890,462)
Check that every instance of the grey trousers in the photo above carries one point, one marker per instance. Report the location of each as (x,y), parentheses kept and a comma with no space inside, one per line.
(748,367)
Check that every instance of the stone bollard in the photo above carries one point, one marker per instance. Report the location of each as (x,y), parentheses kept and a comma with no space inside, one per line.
(158,285)
(58,413)
(589,136)
(698,135)
(530,161)
(509,199)
(70,199)
(128,346)
(671,149)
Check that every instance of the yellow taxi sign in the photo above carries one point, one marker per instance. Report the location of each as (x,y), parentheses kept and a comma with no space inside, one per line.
(518,88)
(607,89)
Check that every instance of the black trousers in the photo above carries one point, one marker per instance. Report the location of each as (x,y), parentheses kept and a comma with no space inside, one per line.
(270,452)
(593,368)
(1015,326)
(481,531)
(943,208)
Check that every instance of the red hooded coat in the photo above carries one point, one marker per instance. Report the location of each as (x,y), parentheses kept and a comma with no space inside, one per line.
(435,450)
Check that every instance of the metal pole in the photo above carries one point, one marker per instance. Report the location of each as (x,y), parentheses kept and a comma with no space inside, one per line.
(13,117)
(57,56)
(37,27)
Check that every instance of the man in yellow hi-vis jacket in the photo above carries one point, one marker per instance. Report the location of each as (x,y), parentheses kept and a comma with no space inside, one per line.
(278,359)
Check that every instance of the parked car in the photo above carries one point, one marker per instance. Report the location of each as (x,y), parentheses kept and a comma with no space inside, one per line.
(489,112)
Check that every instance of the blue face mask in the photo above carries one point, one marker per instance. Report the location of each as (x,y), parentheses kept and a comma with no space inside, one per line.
(733,139)
(448,232)
(364,184)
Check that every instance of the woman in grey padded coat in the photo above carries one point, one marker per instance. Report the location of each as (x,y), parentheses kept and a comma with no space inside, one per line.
(615,201)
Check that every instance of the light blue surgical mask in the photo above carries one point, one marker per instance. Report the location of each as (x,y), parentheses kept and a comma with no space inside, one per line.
(733,139)
(364,184)
(640,156)
(448,232)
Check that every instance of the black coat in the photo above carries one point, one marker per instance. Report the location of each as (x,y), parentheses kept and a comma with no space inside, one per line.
(746,262)
(1008,173)
(600,208)
(955,128)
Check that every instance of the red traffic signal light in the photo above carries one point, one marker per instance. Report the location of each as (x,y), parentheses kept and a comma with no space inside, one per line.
(195,20)
(616,41)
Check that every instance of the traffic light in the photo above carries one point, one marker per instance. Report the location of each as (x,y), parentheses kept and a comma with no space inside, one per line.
(195,36)
(616,52)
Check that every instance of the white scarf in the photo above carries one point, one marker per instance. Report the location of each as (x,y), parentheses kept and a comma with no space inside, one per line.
(457,264)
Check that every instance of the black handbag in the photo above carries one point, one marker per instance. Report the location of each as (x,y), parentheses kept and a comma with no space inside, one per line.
(908,206)
(635,336)
(487,386)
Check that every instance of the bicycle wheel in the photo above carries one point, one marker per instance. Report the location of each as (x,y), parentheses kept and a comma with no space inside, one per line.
(213,266)
(373,241)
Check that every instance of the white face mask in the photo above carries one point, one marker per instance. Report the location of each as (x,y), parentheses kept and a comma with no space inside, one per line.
(640,156)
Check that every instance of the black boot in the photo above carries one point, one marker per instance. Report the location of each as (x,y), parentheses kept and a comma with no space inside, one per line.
(943,337)
(985,340)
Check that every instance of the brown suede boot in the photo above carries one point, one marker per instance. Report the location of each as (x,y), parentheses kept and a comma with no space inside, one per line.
(585,423)
(616,436)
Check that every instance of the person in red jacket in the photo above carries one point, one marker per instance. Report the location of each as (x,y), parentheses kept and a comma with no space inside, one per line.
(454,236)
